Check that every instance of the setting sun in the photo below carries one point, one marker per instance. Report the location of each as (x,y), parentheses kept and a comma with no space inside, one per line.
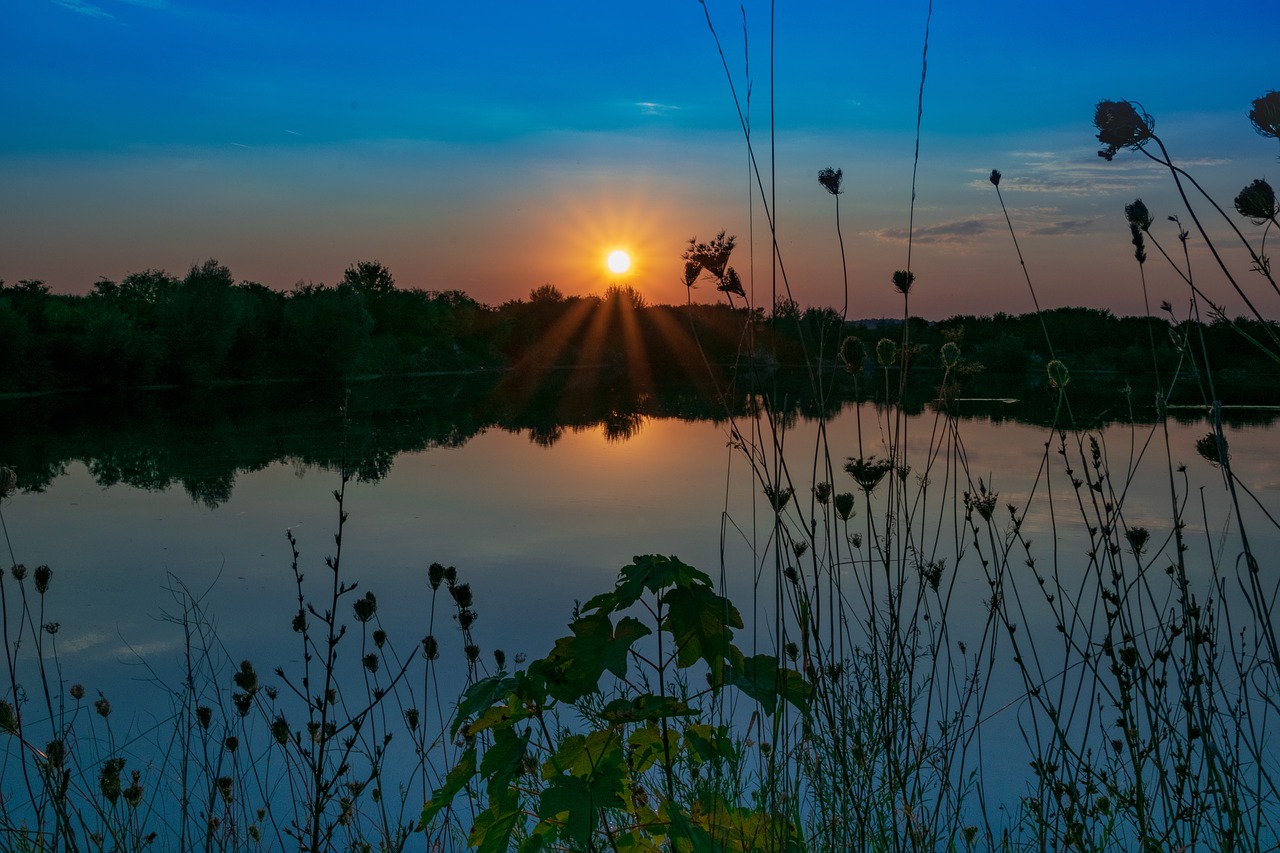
(618,262)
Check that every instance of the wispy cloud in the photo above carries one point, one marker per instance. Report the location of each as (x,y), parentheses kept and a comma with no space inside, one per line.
(956,232)
(148,4)
(84,8)
(652,108)
(1074,174)
(1064,226)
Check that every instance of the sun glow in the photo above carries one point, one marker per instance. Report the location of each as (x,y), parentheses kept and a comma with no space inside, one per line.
(618,262)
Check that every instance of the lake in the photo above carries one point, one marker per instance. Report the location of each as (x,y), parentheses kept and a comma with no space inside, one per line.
(538,502)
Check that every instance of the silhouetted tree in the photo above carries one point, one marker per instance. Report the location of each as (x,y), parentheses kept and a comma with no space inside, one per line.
(370,278)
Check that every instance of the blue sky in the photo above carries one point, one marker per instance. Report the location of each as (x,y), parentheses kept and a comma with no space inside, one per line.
(494,147)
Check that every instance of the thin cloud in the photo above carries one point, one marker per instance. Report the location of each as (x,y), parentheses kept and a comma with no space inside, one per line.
(148,4)
(1065,226)
(652,108)
(956,232)
(83,8)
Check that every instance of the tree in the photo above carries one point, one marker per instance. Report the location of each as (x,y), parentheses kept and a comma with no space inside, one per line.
(370,278)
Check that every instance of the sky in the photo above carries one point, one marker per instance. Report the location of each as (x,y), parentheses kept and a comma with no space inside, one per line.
(495,147)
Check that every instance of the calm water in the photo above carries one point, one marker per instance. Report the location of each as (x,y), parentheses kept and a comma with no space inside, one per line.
(533,515)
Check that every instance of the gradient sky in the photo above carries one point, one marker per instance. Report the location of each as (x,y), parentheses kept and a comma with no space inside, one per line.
(493,147)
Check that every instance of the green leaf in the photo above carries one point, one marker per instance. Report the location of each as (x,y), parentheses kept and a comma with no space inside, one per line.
(491,833)
(701,623)
(651,572)
(644,707)
(575,665)
(762,679)
(501,761)
(482,694)
(459,775)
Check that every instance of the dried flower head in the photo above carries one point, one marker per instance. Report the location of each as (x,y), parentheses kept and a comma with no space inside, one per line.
(19,572)
(995,177)
(1121,124)
(472,651)
(365,607)
(55,752)
(1208,448)
(844,505)
(435,574)
(731,283)
(379,638)
(830,180)
(1257,201)
(280,730)
(430,648)
(1058,374)
(232,743)
(692,269)
(886,352)
(868,471)
(1138,215)
(77,692)
(42,575)
(1265,114)
(102,706)
(902,281)
(500,658)
(950,354)
(852,353)
(822,493)
(371,662)
(8,482)
(462,594)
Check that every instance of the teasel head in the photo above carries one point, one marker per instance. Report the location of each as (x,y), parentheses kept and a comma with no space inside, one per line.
(1058,374)
(1121,124)
(886,352)
(902,281)
(1265,114)
(830,180)
(852,353)
(1257,201)
(950,354)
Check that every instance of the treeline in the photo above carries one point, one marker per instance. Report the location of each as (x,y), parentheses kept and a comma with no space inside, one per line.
(153,328)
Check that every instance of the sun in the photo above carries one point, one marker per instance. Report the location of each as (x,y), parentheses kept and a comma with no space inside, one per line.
(618,262)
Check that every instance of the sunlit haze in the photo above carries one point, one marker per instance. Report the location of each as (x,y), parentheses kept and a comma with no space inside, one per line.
(498,147)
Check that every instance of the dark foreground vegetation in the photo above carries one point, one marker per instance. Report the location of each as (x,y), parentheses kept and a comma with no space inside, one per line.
(152,328)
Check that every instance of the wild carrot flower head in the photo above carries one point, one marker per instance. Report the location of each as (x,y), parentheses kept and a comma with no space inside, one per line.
(43,574)
(868,471)
(995,177)
(1265,114)
(830,180)
(902,280)
(1121,124)
(1257,201)
(844,505)
(1138,215)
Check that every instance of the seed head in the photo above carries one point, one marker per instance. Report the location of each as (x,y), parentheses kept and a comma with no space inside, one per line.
(830,180)
(1257,201)
(77,692)
(8,482)
(371,662)
(1058,374)
(280,730)
(995,177)
(19,572)
(365,607)
(500,658)
(43,574)
(204,714)
(1138,215)
(232,743)
(430,648)
(852,353)
(102,706)
(1265,114)
(435,574)
(472,652)
(1121,124)
(950,354)
(822,493)
(902,281)
(886,352)
(844,505)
